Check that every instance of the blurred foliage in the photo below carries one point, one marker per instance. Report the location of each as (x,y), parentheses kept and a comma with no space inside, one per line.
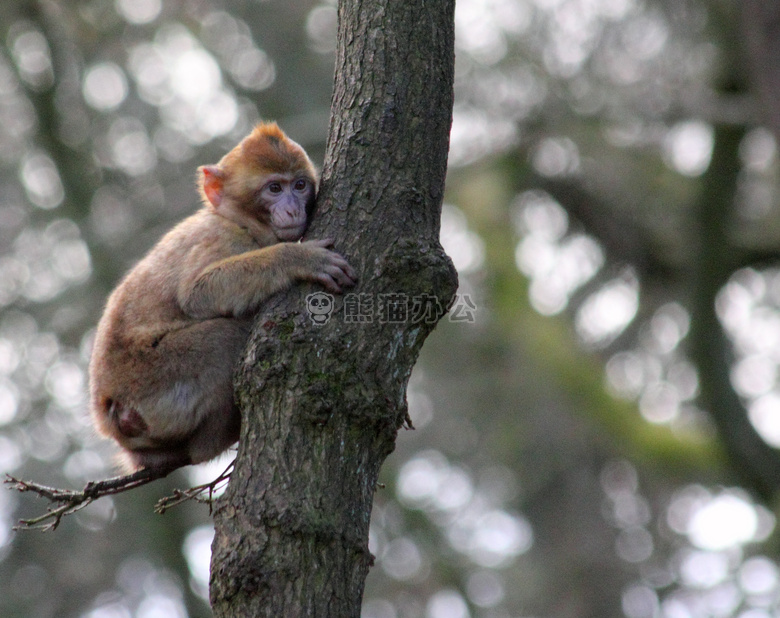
(598,417)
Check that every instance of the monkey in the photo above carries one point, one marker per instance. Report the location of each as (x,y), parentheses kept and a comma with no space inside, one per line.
(173,330)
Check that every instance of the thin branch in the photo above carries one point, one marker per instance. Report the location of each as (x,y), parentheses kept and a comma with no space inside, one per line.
(71,501)
(194,493)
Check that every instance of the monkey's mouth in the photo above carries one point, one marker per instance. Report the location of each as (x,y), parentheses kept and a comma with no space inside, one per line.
(290,233)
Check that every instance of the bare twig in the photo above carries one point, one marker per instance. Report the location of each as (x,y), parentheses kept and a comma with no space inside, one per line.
(71,501)
(195,493)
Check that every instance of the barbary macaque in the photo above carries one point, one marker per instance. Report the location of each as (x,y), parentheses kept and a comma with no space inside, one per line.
(174,329)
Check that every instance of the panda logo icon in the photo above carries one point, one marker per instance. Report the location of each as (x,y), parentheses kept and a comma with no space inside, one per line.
(320,306)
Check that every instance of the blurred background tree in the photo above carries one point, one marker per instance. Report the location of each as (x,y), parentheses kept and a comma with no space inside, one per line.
(597,421)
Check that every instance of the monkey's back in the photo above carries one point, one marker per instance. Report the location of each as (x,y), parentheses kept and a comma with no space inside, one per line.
(145,340)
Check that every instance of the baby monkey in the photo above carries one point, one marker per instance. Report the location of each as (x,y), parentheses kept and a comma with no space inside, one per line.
(161,373)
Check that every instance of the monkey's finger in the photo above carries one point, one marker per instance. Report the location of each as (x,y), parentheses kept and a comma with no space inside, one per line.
(351,273)
(338,260)
(340,276)
(328,282)
(324,243)
(334,259)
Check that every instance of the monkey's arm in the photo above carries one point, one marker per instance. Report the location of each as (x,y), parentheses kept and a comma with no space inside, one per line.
(235,286)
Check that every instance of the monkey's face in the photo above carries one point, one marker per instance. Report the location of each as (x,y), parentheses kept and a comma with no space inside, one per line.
(287,198)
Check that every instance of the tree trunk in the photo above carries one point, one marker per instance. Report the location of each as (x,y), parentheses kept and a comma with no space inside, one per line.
(322,404)
(761,40)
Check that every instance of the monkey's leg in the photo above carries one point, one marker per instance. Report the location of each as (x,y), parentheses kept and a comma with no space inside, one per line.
(187,412)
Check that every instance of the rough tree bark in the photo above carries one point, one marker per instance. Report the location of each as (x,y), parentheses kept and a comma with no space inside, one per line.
(322,404)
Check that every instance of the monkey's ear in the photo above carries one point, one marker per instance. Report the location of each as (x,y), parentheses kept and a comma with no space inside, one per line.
(211,183)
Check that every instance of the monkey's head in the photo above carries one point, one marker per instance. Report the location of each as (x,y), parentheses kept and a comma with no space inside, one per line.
(266,184)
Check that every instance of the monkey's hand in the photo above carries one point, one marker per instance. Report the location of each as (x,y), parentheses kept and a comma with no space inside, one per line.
(327,267)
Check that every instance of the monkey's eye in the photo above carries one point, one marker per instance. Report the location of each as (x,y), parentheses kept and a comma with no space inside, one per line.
(275,187)
(300,184)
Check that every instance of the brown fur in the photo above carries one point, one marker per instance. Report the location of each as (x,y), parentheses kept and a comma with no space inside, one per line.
(264,151)
(173,330)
